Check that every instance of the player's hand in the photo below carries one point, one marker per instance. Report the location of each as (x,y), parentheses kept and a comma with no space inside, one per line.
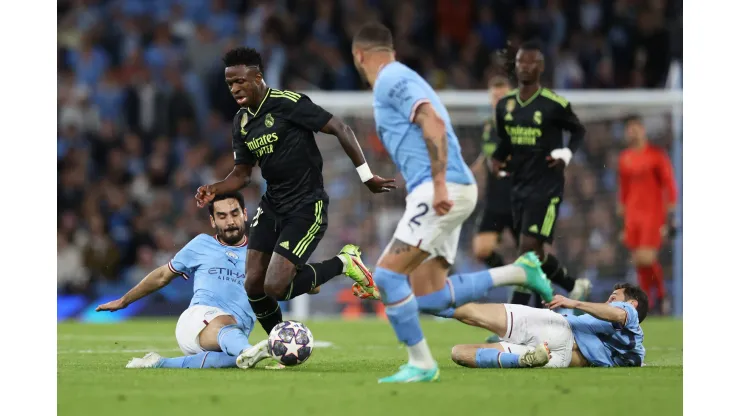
(378,185)
(442,203)
(560,301)
(111,306)
(555,163)
(204,195)
(496,166)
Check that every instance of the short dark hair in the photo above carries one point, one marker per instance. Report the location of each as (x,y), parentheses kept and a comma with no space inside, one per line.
(531,45)
(632,292)
(374,35)
(632,117)
(228,195)
(243,56)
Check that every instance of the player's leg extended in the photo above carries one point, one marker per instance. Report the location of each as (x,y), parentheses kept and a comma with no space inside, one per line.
(263,234)
(500,355)
(537,229)
(401,308)
(265,307)
(224,334)
(288,274)
(205,359)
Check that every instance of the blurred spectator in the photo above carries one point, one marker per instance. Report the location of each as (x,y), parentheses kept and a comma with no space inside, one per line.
(145,116)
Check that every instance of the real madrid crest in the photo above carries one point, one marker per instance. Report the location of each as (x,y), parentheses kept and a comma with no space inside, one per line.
(243,122)
(269,121)
(510,105)
(538,117)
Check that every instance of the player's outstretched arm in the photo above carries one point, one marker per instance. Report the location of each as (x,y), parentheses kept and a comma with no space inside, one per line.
(601,311)
(236,180)
(352,148)
(157,279)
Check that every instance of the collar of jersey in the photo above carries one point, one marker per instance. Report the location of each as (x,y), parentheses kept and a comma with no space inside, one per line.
(239,244)
(526,103)
(267,94)
(380,70)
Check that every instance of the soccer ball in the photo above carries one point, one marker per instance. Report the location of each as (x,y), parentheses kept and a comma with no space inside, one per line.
(290,342)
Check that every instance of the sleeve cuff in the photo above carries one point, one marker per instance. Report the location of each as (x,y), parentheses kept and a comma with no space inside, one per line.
(416,106)
(175,271)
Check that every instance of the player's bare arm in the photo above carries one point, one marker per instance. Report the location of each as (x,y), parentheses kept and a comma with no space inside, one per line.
(236,180)
(601,311)
(348,140)
(157,279)
(435,137)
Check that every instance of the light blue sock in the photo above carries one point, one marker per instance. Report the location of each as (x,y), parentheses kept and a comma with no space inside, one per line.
(208,359)
(493,358)
(469,287)
(233,340)
(403,313)
(437,301)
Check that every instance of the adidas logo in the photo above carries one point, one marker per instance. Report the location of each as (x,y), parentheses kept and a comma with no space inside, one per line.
(285,245)
(533,229)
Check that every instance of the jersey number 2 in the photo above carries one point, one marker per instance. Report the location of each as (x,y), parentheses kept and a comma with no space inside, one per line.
(415,219)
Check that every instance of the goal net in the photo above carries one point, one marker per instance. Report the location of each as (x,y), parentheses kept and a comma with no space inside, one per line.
(588,230)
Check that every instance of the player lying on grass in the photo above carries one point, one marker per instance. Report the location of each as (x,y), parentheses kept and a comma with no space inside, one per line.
(214,331)
(607,335)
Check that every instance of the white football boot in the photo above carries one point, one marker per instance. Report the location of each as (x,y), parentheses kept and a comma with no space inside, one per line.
(538,357)
(252,355)
(148,361)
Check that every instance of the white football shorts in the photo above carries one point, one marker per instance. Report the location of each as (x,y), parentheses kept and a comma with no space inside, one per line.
(528,327)
(191,323)
(420,226)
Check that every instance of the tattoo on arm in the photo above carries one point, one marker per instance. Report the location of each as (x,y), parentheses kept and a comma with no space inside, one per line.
(435,137)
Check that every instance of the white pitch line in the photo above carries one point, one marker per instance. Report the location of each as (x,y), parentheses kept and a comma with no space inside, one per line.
(316,344)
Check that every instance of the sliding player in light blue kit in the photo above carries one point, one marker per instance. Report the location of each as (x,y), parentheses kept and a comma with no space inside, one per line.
(415,128)
(214,331)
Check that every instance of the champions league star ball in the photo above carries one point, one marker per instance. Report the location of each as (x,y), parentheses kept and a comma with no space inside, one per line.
(290,342)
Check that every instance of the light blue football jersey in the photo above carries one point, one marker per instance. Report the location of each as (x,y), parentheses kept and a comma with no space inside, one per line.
(607,344)
(397,93)
(217,271)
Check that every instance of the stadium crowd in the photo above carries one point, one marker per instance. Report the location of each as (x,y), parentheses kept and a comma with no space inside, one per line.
(144,114)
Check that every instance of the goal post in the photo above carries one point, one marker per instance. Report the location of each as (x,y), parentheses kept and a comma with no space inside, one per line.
(587,237)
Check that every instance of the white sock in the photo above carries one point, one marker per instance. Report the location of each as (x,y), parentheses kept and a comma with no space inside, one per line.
(344,262)
(421,356)
(508,275)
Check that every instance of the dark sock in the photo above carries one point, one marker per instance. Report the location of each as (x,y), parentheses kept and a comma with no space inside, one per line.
(520,298)
(267,311)
(538,301)
(309,276)
(494,260)
(556,273)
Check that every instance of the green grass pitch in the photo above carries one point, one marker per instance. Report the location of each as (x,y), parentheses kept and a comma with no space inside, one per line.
(341,379)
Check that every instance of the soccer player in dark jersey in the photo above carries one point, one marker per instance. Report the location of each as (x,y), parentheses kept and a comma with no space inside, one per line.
(275,130)
(496,216)
(530,121)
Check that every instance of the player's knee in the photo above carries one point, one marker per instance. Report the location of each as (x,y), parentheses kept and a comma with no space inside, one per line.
(460,355)
(483,248)
(645,257)
(276,289)
(530,244)
(255,285)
